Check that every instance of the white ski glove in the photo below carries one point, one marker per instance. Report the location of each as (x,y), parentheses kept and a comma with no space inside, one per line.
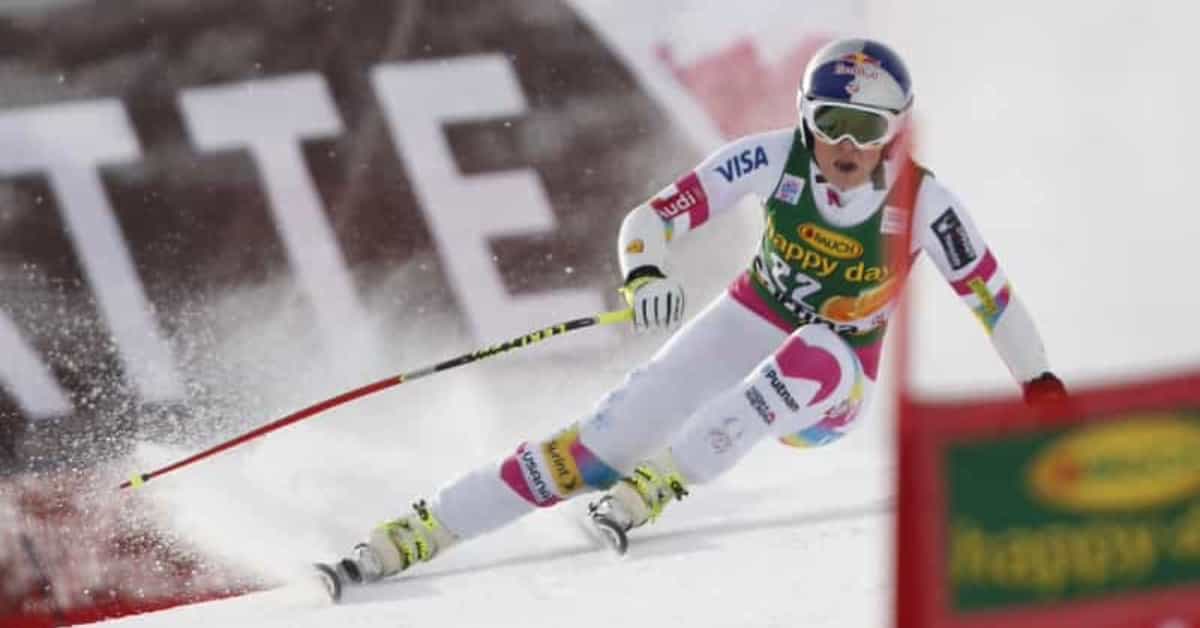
(657,300)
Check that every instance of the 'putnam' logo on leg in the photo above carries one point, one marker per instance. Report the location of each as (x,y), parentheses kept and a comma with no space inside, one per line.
(781,389)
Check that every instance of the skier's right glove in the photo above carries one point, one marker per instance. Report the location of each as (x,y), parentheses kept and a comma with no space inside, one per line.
(1047,396)
(656,299)
(1045,389)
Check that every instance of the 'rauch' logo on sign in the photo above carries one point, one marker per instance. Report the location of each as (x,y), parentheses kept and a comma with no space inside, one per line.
(830,243)
(1149,461)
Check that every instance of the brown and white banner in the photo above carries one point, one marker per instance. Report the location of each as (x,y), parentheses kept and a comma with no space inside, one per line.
(351,166)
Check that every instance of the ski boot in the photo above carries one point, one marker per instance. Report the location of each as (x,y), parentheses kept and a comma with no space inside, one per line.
(634,501)
(393,546)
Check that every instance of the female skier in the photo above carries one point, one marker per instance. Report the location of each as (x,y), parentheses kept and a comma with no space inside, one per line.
(791,350)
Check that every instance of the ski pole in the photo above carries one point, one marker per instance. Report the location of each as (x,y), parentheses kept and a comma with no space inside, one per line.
(605,318)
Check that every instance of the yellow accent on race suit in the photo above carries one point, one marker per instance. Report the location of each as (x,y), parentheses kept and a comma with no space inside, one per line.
(563,468)
(987,301)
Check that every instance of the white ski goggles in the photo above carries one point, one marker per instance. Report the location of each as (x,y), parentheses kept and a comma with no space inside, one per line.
(866,127)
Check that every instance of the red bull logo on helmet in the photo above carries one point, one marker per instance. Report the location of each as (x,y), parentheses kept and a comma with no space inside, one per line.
(860,58)
(858,64)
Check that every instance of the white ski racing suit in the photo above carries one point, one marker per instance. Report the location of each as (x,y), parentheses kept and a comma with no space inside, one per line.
(790,350)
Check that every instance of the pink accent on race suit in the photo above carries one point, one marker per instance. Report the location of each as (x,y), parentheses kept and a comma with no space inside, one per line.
(1002,298)
(832,197)
(839,417)
(686,196)
(800,360)
(510,472)
(744,293)
(984,270)
(869,356)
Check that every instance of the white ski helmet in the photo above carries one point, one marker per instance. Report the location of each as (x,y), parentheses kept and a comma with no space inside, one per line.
(857,89)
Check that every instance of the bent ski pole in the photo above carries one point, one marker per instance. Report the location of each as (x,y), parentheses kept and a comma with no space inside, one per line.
(606,318)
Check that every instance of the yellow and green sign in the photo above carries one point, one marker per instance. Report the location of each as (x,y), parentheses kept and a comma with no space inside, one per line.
(1074,513)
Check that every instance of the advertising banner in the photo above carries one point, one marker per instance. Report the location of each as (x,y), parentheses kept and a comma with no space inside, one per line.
(1088,518)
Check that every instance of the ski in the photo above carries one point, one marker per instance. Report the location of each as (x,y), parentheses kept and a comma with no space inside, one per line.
(598,523)
(611,533)
(329,580)
(337,576)
(602,525)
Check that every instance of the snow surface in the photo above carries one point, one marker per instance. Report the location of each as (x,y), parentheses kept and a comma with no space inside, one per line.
(1069,132)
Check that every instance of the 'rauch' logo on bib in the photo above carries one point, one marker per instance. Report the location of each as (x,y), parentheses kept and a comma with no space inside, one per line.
(830,243)
(1145,462)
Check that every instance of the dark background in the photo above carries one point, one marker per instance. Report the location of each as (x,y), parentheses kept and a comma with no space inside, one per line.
(197,224)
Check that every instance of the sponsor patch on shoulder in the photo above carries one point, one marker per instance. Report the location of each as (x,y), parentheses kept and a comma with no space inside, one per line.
(790,188)
(953,236)
(742,164)
(685,196)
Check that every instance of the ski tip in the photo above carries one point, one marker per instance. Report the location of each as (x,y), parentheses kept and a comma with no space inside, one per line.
(331,581)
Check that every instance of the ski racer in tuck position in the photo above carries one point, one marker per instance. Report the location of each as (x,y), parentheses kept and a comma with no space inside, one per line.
(791,350)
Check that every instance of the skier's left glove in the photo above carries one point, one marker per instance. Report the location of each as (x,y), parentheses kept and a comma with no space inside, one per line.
(656,299)
(1044,391)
